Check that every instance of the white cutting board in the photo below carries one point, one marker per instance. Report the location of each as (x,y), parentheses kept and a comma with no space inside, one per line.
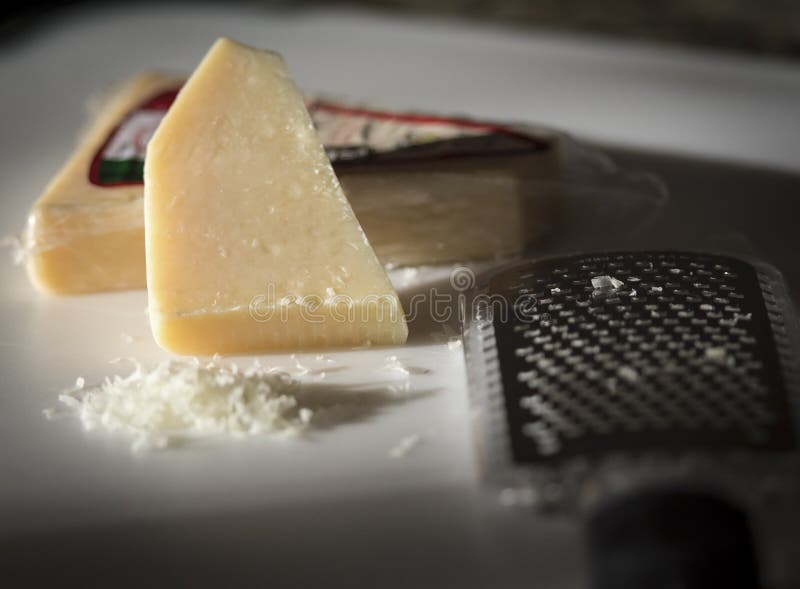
(56,477)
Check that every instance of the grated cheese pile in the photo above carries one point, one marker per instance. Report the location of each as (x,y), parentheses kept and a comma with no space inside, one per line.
(183,399)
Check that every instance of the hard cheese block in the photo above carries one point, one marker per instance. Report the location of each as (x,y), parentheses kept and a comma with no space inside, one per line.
(86,232)
(250,242)
(430,189)
(427,189)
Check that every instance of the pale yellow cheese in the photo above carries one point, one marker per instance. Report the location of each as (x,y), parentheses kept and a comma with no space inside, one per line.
(250,242)
(81,237)
(87,237)
(434,218)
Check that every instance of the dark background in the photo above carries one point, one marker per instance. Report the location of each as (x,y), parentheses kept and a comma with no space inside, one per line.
(770,27)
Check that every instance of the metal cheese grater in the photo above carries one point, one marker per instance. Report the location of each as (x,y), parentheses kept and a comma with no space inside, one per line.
(595,375)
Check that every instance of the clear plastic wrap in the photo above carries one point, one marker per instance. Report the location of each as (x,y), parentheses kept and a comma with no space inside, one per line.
(427,189)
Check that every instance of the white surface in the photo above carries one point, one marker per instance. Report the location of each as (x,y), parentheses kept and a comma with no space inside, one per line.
(48,342)
(57,477)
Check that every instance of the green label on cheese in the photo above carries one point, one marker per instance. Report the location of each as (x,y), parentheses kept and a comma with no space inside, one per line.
(118,171)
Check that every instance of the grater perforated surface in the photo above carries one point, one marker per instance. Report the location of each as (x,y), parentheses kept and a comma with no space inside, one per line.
(638,351)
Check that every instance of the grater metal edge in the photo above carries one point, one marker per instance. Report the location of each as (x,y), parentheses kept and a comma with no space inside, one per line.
(564,486)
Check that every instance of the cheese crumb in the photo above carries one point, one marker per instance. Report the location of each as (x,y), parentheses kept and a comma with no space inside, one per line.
(17,247)
(628,374)
(717,354)
(603,286)
(405,446)
(394,364)
(606,282)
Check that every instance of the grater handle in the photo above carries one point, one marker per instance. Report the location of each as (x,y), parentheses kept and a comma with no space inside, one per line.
(668,538)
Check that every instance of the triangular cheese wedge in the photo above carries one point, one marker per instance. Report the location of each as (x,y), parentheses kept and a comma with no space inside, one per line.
(251,244)
(85,233)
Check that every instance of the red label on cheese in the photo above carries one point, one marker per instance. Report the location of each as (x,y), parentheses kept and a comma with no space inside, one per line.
(350,135)
(120,160)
